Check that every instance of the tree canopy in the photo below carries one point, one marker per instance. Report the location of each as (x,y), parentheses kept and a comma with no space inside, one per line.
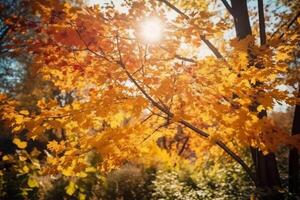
(153,81)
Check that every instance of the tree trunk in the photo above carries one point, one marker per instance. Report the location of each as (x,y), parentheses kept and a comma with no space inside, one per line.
(294,156)
(266,171)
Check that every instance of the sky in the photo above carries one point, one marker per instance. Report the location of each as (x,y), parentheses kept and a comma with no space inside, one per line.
(103,2)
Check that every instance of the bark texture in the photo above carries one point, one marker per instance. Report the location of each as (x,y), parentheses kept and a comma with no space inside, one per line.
(266,171)
(294,183)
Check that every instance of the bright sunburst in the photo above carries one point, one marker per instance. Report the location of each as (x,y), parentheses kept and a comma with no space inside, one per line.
(151,29)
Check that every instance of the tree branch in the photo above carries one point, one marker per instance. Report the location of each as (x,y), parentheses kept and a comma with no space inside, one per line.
(184,145)
(157,129)
(169,114)
(212,47)
(175,9)
(202,37)
(190,126)
(185,59)
(228,7)
(288,23)
(181,57)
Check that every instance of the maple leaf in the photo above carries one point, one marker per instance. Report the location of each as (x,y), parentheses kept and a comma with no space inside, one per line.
(20,144)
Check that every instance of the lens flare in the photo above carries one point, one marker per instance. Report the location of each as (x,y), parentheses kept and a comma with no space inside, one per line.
(151,30)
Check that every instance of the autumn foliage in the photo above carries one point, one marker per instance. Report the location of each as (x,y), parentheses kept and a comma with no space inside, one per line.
(128,99)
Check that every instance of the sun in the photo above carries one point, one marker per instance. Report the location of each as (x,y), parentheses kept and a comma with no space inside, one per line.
(151,29)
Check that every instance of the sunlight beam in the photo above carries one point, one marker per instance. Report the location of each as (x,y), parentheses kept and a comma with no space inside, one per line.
(151,29)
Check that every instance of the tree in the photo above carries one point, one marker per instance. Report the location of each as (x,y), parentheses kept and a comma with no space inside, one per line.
(294,157)
(130,90)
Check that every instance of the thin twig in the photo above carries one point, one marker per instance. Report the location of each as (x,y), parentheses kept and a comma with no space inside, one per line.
(157,129)
(184,145)
(180,57)
(148,117)
(202,37)
(289,23)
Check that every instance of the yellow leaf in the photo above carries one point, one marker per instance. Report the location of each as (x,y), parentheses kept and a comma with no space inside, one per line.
(19,119)
(17,128)
(82,196)
(25,169)
(24,112)
(4,158)
(116,120)
(260,108)
(90,169)
(20,144)
(71,188)
(76,105)
(231,78)
(35,152)
(22,158)
(32,182)
(68,171)
(282,56)
(252,197)
(81,174)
